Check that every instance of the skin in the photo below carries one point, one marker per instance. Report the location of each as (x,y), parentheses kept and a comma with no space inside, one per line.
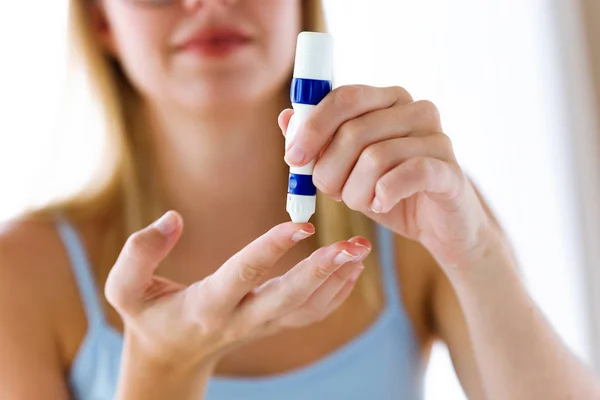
(233,284)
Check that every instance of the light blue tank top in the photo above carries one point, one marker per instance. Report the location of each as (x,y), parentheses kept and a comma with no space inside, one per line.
(383,362)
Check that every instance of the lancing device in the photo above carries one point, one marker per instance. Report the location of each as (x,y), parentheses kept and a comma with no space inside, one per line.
(312,81)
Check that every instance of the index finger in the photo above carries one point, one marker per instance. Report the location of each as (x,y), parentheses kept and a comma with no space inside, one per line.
(247,268)
(339,106)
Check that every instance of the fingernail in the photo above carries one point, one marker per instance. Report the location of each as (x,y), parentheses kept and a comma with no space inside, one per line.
(364,252)
(295,155)
(376,206)
(337,198)
(167,224)
(343,257)
(354,277)
(300,235)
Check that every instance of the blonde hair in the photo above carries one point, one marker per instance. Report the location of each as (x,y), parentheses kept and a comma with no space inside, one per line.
(123,191)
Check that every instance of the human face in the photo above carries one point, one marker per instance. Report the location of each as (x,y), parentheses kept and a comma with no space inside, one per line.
(202,54)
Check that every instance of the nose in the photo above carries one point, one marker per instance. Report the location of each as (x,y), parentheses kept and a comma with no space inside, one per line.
(192,5)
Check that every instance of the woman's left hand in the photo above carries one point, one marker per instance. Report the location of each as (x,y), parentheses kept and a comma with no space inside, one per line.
(385,155)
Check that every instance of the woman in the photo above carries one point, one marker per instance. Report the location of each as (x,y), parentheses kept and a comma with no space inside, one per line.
(190,90)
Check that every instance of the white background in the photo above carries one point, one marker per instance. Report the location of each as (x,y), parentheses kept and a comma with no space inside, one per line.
(491,67)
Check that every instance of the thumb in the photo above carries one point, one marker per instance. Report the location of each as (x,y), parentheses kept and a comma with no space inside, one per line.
(134,269)
(284,119)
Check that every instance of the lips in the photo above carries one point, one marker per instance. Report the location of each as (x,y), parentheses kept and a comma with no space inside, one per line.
(215,42)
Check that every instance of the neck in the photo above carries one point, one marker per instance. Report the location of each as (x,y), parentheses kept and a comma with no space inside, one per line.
(224,173)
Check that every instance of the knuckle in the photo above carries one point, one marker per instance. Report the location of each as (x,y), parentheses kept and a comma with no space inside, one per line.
(276,246)
(402,94)
(310,129)
(426,110)
(135,241)
(372,157)
(322,179)
(214,324)
(138,244)
(445,143)
(207,319)
(422,168)
(383,189)
(227,335)
(349,95)
(351,133)
(252,273)
(321,273)
(291,299)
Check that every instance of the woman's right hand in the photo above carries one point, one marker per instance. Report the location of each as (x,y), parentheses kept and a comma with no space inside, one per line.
(189,326)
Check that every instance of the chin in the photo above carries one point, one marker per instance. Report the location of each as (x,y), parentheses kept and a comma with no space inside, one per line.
(213,98)
(211,93)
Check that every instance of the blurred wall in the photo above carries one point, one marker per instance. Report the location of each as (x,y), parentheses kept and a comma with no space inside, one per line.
(578,23)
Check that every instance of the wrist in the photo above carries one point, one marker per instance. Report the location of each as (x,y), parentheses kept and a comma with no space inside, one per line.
(145,376)
(161,361)
(489,253)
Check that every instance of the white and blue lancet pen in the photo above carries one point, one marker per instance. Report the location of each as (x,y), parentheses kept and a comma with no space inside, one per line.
(312,81)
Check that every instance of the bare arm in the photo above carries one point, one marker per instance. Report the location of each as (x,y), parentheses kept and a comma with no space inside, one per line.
(450,326)
(518,354)
(500,343)
(27,346)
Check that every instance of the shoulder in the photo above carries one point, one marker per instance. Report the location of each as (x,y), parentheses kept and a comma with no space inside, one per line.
(29,249)
(33,264)
(34,289)
(38,292)
(29,290)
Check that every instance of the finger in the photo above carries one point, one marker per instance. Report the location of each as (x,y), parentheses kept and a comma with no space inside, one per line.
(358,189)
(139,258)
(293,289)
(318,305)
(339,106)
(246,269)
(345,291)
(325,299)
(354,136)
(441,181)
(284,120)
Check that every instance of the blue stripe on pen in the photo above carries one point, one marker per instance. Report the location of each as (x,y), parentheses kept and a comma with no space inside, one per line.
(309,91)
(301,185)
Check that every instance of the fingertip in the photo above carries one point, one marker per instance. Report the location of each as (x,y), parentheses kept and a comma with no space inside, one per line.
(283,119)
(361,241)
(308,227)
(296,156)
(168,223)
(301,234)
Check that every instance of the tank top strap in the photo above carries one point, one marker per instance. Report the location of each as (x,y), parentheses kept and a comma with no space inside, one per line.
(82,271)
